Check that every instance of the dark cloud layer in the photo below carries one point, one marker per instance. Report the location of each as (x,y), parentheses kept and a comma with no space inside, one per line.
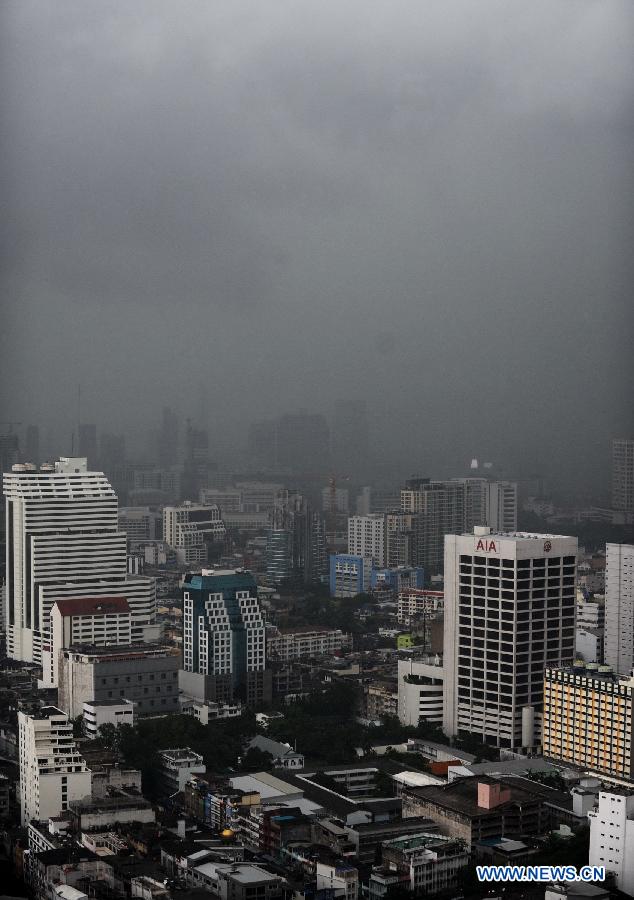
(428,206)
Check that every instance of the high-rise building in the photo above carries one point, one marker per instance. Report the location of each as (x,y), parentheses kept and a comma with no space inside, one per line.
(52,771)
(63,541)
(262,444)
(509,612)
(612,837)
(303,443)
(88,445)
(588,719)
(367,537)
(32,445)
(168,439)
(189,529)
(224,653)
(9,451)
(196,464)
(350,435)
(623,474)
(279,554)
(619,607)
(112,453)
(454,507)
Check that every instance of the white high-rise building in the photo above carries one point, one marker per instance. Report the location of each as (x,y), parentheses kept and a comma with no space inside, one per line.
(619,607)
(367,537)
(188,527)
(52,771)
(63,541)
(612,837)
(509,612)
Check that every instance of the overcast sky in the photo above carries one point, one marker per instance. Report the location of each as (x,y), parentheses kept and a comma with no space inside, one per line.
(424,204)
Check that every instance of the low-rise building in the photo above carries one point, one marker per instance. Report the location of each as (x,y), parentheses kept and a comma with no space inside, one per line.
(337,877)
(349,574)
(420,688)
(176,768)
(146,674)
(304,642)
(283,755)
(97,713)
(425,863)
(414,603)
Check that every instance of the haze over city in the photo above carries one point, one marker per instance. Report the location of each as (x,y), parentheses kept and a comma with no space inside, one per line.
(248,209)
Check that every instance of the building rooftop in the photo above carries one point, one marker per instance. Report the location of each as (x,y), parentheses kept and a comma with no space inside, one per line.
(92,606)
(461,795)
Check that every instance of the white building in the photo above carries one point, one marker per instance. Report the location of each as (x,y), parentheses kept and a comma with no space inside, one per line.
(420,689)
(340,878)
(52,771)
(619,607)
(367,537)
(63,540)
(304,642)
(106,712)
(140,523)
(176,768)
(414,603)
(509,612)
(187,529)
(84,620)
(612,837)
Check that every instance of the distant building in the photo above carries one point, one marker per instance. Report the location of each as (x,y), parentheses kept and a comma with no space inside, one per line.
(32,445)
(176,767)
(140,523)
(414,604)
(283,756)
(612,837)
(224,652)
(367,537)
(52,771)
(426,863)
(619,607)
(398,579)
(349,575)
(335,500)
(303,442)
(304,642)
(189,529)
(97,713)
(279,554)
(587,719)
(623,475)
(87,446)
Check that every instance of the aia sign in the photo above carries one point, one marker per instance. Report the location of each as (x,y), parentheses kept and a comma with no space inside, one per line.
(486,546)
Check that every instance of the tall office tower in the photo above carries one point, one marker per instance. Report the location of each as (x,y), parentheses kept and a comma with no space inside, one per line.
(623,474)
(9,455)
(63,541)
(398,538)
(196,463)
(112,453)
(190,529)
(52,771)
(303,443)
(262,444)
(453,507)
(310,559)
(367,537)
(168,438)
(224,653)
(279,554)
(88,444)
(350,435)
(32,445)
(509,612)
(619,607)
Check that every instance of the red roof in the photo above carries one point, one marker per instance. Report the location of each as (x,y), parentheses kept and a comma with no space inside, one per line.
(92,606)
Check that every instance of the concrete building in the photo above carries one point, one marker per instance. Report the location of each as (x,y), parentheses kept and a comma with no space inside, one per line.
(304,642)
(587,719)
(623,475)
(189,528)
(415,604)
(335,500)
(619,607)
(279,554)
(97,713)
(224,653)
(612,837)
(349,575)
(367,538)
(146,675)
(397,579)
(140,523)
(52,771)
(509,612)
(283,755)
(177,767)
(339,878)
(63,540)
(425,864)
(84,620)
(420,689)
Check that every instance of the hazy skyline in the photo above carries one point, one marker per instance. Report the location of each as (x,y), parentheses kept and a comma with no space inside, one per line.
(424,206)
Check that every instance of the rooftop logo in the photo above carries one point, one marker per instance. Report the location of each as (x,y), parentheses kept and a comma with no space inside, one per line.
(486,546)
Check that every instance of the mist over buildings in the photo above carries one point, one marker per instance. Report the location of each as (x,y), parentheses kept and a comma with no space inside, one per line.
(241,210)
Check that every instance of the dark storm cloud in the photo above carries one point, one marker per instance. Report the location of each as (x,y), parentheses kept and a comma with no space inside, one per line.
(425,205)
